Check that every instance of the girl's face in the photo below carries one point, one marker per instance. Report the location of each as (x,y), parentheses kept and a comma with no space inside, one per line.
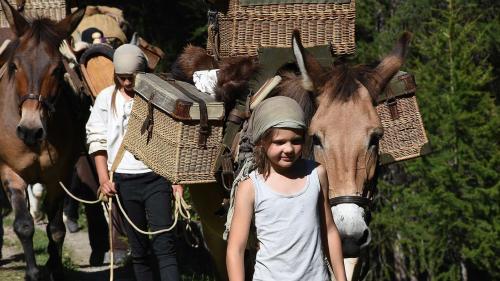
(127,81)
(285,147)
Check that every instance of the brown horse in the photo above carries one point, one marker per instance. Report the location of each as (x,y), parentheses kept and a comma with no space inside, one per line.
(344,126)
(40,137)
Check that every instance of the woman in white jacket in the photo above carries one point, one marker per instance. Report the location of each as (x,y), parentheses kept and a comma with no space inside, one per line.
(146,196)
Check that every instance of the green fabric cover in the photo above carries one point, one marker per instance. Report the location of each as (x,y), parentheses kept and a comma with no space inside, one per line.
(272,58)
(397,88)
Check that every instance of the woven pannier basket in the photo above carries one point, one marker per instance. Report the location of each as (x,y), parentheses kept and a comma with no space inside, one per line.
(245,28)
(404,133)
(172,150)
(53,9)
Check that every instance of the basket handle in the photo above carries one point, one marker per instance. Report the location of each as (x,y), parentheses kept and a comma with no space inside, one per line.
(213,32)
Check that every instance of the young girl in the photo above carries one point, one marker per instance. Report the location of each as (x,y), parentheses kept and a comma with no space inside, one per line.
(288,199)
(146,196)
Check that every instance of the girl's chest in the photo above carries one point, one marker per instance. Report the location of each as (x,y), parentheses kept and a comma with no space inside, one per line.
(286,186)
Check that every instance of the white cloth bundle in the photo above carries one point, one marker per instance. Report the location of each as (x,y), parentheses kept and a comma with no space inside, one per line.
(206,80)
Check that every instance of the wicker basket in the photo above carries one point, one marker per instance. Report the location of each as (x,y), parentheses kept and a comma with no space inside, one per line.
(53,9)
(173,150)
(243,29)
(404,134)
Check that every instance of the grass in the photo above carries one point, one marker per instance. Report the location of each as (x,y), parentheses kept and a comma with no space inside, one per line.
(15,268)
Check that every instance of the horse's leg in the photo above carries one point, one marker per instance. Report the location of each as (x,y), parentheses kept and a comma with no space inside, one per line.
(24,227)
(55,230)
(206,200)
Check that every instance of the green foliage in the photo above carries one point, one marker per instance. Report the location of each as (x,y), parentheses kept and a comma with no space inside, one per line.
(443,222)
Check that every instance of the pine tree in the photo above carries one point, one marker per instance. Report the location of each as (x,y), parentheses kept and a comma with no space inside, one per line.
(443,223)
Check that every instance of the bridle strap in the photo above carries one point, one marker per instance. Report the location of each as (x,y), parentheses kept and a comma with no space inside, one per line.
(49,106)
(363,202)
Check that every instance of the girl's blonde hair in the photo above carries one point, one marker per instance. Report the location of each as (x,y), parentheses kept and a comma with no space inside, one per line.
(115,91)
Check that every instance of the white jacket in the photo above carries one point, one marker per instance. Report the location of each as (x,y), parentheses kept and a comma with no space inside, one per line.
(105,131)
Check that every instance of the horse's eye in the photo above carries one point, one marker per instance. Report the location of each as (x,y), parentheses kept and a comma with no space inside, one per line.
(12,66)
(316,141)
(375,138)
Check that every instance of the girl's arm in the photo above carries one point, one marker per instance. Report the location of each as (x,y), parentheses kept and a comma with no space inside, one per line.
(101,164)
(240,226)
(96,129)
(330,234)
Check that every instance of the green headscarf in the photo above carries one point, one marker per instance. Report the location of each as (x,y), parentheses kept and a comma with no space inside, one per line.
(276,112)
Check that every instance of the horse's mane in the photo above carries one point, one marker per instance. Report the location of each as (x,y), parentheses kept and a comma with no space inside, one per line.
(343,81)
(45,30)
(40,30)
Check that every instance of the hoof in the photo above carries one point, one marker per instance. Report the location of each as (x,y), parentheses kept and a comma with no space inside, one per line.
(33,275)
(56,276)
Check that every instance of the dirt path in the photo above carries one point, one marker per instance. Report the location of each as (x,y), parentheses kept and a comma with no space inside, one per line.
(194,263)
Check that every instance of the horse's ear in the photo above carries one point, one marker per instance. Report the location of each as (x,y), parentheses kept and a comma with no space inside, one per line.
(389,65)
(18,24)
(309,67)
(69,23)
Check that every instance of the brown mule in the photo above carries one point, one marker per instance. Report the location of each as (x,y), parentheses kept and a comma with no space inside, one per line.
(345,129)
(40,134)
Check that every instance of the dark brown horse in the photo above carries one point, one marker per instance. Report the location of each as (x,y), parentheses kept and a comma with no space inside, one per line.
(40,136)
(344,125)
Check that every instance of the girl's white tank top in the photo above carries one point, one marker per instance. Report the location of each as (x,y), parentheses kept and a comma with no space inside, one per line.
(288,231)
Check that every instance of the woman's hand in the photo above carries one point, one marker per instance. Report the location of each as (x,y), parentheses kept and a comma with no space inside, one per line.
(108,188)
(177,188)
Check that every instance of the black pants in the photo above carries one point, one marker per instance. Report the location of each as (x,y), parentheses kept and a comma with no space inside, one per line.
(147,200)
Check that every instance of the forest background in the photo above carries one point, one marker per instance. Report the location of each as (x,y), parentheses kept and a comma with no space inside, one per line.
(436,217)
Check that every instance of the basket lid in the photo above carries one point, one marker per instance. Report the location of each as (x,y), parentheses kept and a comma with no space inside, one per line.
(170,96)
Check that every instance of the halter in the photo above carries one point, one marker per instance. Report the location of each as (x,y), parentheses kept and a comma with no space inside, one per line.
(363,200)
(44,102)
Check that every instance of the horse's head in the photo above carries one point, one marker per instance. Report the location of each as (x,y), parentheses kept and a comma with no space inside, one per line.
(34,68)
(346,130)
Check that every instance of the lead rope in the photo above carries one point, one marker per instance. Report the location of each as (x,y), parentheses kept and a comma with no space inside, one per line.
(180,208)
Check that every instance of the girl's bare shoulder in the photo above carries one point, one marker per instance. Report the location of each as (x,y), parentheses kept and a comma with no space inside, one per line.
(246,188)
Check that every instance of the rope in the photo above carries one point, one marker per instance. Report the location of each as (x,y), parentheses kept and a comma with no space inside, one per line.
(180,208)
(111,252)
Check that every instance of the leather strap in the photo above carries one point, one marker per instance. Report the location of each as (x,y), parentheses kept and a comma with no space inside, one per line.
(227,175)
(148,124)
(213,31)
(358,200)
(118,159)
(237,116)
(75,79)
(204,128)
(48,105)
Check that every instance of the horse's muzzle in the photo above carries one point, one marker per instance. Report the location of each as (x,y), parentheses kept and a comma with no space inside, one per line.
(30,136)
(352,247)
